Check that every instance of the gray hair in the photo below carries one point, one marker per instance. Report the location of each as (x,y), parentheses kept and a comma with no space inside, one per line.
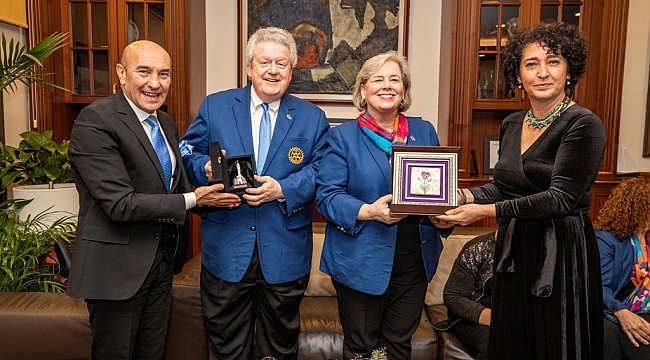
(371,66)
(275,35)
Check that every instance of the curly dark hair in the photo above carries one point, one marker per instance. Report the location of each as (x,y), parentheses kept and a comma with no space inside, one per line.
(627,209)
(558,37)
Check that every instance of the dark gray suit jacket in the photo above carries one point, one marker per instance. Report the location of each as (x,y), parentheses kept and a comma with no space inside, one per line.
(123,205)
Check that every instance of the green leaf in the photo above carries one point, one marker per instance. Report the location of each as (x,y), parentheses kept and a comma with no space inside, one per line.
(17,64)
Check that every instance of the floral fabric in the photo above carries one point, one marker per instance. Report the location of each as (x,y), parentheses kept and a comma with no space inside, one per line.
(637,301)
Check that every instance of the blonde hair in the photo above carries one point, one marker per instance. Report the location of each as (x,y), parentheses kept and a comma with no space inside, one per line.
(371,66)
(275,35)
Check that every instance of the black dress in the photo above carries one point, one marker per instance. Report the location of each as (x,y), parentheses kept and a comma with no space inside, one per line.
(547,291)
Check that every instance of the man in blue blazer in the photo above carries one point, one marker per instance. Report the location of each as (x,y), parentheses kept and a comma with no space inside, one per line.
(257,253)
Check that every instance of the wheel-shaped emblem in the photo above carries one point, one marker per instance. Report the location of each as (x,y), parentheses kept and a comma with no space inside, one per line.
(296,155)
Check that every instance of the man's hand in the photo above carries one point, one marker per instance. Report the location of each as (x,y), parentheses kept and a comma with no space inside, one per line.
(379,211)
(208,170)
(208,166)
(269,190)
(634,326)
(208,196)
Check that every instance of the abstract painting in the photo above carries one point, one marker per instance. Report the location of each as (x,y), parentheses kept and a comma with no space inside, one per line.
(333,39)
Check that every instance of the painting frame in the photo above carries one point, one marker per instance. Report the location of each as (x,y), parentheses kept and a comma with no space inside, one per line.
(418,169)
(339,96)
(490,153)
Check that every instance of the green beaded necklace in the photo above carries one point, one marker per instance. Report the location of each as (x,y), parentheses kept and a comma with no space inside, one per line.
(547,119)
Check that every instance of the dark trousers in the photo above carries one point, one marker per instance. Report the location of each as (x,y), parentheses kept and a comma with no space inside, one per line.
(135,328)
(251,319)
(475,337)
(388,320)
(619,347)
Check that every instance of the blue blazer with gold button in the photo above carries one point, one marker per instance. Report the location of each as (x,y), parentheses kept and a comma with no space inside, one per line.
(353,172)
(282,229)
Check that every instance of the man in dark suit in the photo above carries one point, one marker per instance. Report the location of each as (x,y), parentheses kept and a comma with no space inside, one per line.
(257,254)
(133,202)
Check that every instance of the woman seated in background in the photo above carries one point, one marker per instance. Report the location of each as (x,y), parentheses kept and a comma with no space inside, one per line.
(468,295)
(622,230)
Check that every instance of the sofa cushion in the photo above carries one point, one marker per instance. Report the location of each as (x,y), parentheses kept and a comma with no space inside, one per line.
(452,246)
(321,335)
(450,348)
(36,325)
(320,284)
(186,335)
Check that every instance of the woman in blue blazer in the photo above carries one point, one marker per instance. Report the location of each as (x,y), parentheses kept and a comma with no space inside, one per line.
(622,230)
(380,264)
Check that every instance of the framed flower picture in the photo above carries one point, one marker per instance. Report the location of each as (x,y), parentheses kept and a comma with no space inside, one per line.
(425,179)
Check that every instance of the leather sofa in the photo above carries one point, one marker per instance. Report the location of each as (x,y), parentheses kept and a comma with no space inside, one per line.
(48,326)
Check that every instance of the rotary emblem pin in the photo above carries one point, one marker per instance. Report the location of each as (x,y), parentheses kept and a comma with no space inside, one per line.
(296,155)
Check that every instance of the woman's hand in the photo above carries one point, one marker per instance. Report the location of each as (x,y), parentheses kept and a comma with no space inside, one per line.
(468,214)
(485,317)
(379,211)
(634,326)
(439,223)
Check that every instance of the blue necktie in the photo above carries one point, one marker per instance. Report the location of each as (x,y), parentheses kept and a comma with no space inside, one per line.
(265,138)
(160,145)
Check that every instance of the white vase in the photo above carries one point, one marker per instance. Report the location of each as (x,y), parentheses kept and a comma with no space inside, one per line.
(63,200)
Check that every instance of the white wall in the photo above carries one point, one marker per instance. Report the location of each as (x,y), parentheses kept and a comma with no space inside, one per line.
(424,57)
(635,90)
(16,105)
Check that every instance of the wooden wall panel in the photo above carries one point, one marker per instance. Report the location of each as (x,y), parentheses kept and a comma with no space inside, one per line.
(610,38)
(463,70)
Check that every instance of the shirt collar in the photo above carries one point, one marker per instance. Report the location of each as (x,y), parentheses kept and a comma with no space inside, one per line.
(274,106)
(141,114)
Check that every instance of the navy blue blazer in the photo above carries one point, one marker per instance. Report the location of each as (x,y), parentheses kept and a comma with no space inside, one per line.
(283,229)
(353,172)
(616,262)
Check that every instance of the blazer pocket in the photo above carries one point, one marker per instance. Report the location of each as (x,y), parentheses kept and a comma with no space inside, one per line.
(218,216)
(295,152)
(105,235)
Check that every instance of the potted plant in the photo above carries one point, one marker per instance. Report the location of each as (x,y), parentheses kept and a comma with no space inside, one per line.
(19,65)
(37,160)
(40,163)
(26,248)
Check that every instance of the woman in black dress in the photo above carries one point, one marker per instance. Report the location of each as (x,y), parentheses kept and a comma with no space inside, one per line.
(547,296)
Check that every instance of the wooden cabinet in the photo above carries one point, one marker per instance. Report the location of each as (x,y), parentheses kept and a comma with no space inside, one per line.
(481,98)
(99,30)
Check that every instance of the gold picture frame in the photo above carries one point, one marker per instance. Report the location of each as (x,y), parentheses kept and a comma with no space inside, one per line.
(425,179)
